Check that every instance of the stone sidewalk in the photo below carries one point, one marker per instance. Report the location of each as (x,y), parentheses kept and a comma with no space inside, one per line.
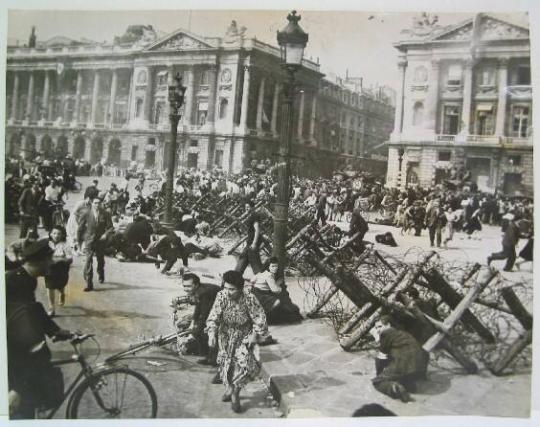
(309,374)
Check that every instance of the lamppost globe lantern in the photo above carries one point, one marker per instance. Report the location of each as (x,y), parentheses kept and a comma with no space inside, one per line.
(177,92)
(292,41)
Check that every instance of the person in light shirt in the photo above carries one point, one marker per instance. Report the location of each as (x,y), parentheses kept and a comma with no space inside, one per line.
(270,290)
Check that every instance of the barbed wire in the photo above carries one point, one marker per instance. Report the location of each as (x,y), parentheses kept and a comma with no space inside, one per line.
(490,309)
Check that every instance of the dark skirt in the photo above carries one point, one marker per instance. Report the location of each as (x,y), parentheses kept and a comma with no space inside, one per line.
(527,252)
(266,298)
(58,276)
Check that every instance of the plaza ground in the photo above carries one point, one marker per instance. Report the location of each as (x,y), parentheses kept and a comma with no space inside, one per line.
(306,370)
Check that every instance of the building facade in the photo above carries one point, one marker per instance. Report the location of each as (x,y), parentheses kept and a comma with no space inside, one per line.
(108,102)
(465,100)
(352,120)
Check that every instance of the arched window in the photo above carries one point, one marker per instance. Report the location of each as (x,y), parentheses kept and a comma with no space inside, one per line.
(138,107)
(418,113)
(223,106)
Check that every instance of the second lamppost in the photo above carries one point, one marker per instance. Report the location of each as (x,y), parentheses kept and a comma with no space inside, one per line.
(292,41)
(176,100)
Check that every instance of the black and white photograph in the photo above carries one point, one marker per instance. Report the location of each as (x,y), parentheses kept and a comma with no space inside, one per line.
(252,213)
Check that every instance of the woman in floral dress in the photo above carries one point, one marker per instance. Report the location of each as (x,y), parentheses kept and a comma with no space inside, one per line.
(235,322)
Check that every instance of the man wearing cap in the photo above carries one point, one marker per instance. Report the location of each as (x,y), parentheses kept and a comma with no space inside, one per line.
(28,207)
(30,373)
(94,226)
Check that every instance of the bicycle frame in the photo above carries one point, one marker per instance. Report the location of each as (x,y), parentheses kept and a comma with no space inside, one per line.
(86,371)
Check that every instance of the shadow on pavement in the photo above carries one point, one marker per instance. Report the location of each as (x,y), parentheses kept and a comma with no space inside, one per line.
(437,383)
(88,312)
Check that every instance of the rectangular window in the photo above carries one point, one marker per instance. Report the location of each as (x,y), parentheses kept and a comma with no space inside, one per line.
(451,120)
(523,75)
(484,123)
(514,160)
(454,75)
(218,158)
(445,156)
(487,77)
(520,121)
(134,150)
(193,143)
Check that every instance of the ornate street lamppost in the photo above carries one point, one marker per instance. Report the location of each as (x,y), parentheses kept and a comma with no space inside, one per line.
(292,41)
(176,100)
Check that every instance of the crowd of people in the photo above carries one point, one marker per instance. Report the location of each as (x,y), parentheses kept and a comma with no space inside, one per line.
(230,321)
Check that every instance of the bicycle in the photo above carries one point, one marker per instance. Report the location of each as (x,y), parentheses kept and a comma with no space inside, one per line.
(105,391)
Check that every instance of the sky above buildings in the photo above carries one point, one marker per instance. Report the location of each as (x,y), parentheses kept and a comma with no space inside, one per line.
(360,42)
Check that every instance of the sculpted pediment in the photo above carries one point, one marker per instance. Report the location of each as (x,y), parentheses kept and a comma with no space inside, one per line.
(489,29)
(179,41)
(496,29)
(460,33)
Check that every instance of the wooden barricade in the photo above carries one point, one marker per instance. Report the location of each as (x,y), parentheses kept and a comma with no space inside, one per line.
(525,338)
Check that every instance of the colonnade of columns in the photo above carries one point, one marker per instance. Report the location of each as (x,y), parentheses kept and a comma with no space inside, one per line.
(42,107)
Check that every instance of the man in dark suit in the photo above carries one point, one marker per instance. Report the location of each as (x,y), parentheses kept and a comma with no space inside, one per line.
(202,296)
(510,240)
(94,226)
(358,225)
(401,361)
(92,190)
(28,207)
(435,221)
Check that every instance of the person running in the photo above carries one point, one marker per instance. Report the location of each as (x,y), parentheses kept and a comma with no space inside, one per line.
(250,255)
(233,326)
(509,242)
(58,276)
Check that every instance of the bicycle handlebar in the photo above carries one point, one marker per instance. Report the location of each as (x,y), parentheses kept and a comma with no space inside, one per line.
(77,338)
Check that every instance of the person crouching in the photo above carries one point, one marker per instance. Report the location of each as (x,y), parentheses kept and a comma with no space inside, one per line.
(400,363)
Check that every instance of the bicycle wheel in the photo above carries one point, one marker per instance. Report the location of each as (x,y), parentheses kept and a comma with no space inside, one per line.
(117,392)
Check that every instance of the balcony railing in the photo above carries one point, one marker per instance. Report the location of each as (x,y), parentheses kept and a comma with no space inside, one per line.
(509,140)
(486,139)
(483,138)
(446,138)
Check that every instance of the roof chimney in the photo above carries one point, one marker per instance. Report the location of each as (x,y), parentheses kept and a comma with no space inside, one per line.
(32,38)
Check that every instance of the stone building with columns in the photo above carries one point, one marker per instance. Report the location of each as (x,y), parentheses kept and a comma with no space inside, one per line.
(465,99)
(108,102)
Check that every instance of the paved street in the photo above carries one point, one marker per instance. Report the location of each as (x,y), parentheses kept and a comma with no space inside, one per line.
(134,303)
(131,304)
